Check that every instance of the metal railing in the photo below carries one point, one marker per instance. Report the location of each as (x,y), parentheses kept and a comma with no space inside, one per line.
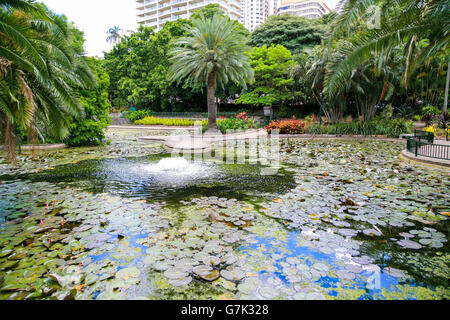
(426,149)
(424,135)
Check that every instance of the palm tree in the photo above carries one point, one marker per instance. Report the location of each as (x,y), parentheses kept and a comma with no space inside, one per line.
(403,23)
(38,70)
(213,53)
(114,35)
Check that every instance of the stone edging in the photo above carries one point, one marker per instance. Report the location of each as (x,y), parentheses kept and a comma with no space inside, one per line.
(41,147)
(425,160)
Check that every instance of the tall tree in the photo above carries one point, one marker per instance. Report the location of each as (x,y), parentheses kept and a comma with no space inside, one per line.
(212,54)
(401,23)
(114,34)
(292,32)
(138,66)
(273,83)
(38,72)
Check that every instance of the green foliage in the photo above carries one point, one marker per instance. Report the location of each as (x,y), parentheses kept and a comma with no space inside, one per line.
(138,67)
(235,124)
(294,33)
(40,72)
(273,83)
(212,55)
(430,110)
(212,9)
(152,121)
(89,131)
(418,30)
(213,47)
(138,115)
(392,128)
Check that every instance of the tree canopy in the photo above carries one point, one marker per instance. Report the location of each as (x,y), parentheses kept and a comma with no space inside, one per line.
(273,82)
(40,73)
(211,54)
(292,32)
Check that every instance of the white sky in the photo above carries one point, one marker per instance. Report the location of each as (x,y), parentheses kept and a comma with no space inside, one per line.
(96,17)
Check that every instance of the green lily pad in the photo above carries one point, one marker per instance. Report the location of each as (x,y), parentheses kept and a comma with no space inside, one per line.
(206,273)
(232,274)
(131,272)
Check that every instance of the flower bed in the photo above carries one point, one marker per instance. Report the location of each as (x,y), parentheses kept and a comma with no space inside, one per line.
(149,121)
(291,126)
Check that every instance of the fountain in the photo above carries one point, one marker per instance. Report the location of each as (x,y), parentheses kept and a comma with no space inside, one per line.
(175,166)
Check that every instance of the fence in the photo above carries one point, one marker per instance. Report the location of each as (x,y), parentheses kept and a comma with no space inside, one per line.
(426,149)
(424,135)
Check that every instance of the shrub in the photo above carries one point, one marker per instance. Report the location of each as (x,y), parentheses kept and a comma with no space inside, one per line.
(148,121)
(138,115)
(430,110)
(240,123)
(443,121)
(243,116)
(431,129)
(392,128)
(291,126)
(89,130)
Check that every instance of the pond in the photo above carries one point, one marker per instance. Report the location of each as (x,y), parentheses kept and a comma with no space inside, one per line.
(342,219)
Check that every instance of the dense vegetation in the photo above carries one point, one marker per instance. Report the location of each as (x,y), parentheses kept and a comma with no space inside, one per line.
(49,92)
(353,64)
(374,61)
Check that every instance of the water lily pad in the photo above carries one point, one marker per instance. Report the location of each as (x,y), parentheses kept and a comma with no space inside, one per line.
(348,232)
(315,296)
(229,259)
(180,282)
(127,273)
(394,272)
(249,285)
(232,274)
(343,274)
(353,268)
(372,232)
(175,273)
(206,273)
(211,261)
(161,265)
(409,244)
(111,295)
(268,292)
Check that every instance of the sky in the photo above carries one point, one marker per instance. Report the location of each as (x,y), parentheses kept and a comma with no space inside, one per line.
(96,17)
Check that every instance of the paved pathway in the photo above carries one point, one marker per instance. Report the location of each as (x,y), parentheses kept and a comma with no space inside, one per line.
(202,142)
(135,127)
(411,156)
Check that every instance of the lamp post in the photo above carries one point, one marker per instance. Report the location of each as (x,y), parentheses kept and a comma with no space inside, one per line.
(321,103)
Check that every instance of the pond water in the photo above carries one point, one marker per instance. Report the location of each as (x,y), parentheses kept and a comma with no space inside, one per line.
(341,220)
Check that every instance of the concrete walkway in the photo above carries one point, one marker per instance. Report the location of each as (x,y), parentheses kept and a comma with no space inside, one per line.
(203,142)
(135,127)
(411,156)
(27,147)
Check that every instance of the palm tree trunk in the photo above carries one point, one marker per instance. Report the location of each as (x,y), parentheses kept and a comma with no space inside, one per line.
(10,143)
(446,87)
(212,106)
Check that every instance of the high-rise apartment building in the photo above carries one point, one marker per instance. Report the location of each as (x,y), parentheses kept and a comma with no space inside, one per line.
(303,8)
(255,13)
(154,13)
